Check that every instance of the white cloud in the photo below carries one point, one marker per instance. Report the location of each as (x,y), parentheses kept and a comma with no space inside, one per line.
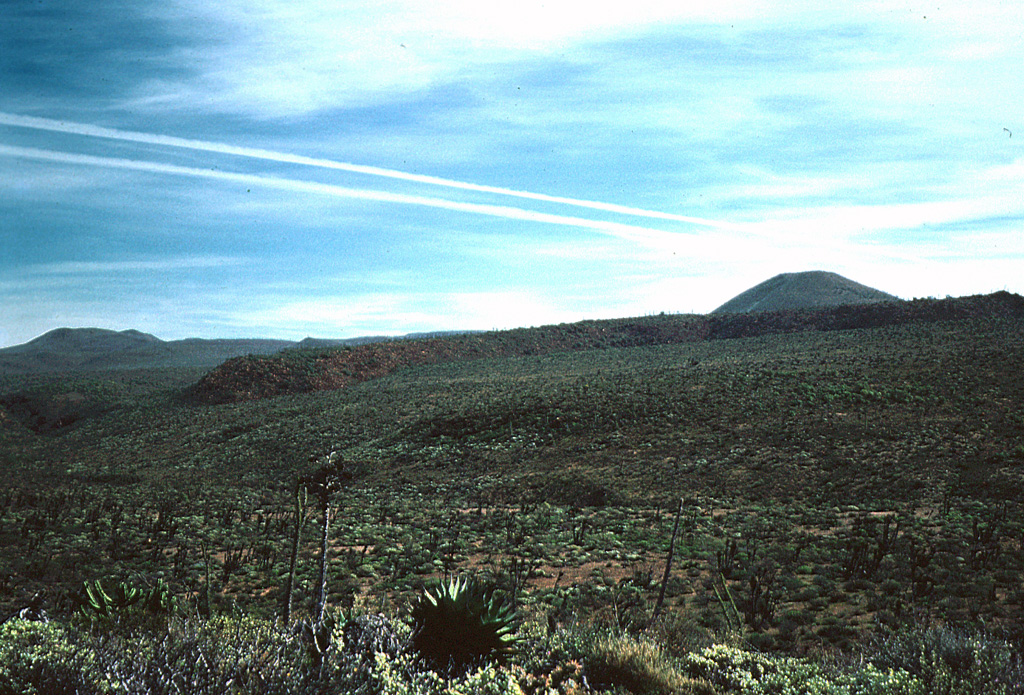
(279,57)
(844,221)
(635,233)
(398,313)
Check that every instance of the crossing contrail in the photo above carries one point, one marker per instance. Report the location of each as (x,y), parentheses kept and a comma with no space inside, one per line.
(623,231)
(72,128)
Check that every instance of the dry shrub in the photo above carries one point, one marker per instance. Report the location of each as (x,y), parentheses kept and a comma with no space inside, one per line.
(640,666)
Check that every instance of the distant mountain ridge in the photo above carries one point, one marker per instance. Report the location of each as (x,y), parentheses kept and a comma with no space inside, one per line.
(806,290)
(318,343)
(85,340)
(98,349)
(260,368)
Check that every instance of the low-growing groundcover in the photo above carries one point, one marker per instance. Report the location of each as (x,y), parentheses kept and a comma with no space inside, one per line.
(930,662)
(374,654)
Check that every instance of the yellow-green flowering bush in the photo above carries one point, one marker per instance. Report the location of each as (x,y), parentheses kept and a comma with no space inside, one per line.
(404,675)
(733,670)
(37,657)
(489,680)
(954,661)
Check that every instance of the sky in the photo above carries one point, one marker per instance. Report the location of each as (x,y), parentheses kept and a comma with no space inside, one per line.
(293,168)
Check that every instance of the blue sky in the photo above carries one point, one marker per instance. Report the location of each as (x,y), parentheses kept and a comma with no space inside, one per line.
(283,168)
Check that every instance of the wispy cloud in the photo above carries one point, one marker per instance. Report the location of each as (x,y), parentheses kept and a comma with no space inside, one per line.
(256,153)
(625,231)
(359,314)
(132,266)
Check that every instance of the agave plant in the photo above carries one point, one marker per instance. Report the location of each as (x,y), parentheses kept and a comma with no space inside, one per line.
(459,623)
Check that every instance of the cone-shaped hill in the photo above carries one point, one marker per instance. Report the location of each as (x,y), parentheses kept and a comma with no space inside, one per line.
(810,290)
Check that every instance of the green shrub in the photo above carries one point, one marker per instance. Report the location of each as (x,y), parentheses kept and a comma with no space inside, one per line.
(224,656)
(210,657)
(38,657)
(952,661)
(733,670)
(401,675)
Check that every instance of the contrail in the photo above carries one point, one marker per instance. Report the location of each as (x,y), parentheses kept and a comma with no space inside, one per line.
(623,231)
(72,128)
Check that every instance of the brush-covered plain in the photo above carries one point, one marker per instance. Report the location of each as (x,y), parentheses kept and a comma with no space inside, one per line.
(837,493)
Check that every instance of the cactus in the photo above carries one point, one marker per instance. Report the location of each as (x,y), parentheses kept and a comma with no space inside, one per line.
(319,636)
(158,600)
(459,624)
(96,601)
(300,513)
(331,477)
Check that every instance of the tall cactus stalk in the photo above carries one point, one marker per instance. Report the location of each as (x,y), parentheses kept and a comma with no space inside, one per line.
(300,512)
(325,511)
(668,566)
(323,483)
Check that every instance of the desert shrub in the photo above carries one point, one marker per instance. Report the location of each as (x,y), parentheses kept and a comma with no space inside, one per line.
(38,657)
(639,665)
(761,641)
(680,634)
(579,491)
(550,661)
(891,587)
(733,670)
(366,635)
(953,662)
(807,593)
(404,674)
(214,657)
(223,656)
(837,632)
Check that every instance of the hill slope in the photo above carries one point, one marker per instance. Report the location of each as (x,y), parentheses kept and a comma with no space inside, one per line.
(808,290)
(304,371)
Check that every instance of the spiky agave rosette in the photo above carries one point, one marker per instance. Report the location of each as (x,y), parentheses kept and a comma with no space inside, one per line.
(459,623)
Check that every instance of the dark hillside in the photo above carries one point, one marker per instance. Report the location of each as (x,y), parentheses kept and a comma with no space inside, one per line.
(304,371)
(810,290)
